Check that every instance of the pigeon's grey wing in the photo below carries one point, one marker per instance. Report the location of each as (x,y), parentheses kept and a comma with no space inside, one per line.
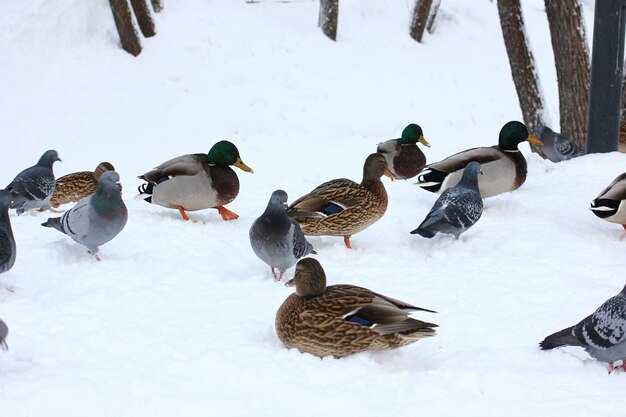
(301,246)
(4,331)
(35,184)
(76,221)
(606,327)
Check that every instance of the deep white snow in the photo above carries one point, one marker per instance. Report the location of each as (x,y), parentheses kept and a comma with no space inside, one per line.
(178,317)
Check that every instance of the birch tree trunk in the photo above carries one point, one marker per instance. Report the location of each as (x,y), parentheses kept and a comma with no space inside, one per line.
(522,64)
(329,15)
(571,57)
(420,16)
(125,28)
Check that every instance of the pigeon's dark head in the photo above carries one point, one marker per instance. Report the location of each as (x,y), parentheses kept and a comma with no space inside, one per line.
(225,153)
(279,197)
(110,182)
(512,134)
(413,134)
(6,199)
(49,158)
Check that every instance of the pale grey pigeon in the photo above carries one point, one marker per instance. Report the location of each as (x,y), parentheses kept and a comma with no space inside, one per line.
(602,334)
(457,209)
(96,219)
(4,331)
(557,147)
(276,239)
(33,187)
(7,241)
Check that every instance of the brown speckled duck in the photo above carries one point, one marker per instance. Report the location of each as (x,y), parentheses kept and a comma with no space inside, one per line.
(342,207)
(73,187)
(503,166)
(340,320)
(196,181)
(404,158)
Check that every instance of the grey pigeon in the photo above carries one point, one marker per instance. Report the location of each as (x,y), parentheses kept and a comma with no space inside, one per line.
(96,219)
(557,147)
(458,207)
(602,334)
(276,239)
(33,187)
(7,241)
(4,331)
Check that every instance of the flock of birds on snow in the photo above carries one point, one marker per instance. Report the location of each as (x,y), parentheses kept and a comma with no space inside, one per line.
(335,320)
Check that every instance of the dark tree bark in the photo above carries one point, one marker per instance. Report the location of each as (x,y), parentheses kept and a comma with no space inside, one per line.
(125,28)
(329,15)
(144,18)
(571,58)
(420,16)
(622,124)
(157,5)
(430,23)
(522,64)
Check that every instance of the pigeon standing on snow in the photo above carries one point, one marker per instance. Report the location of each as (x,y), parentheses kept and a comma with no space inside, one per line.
(602,334)
(96,219)
(4,331)
(276,239)
(557,147)
(7,241)
(33,187)
(458,207)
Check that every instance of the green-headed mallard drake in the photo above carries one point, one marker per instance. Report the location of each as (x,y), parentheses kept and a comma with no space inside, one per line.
(404,158)
(342,207)
(196,181)
(609,204)
(340,320)
(73,187)
(503,165)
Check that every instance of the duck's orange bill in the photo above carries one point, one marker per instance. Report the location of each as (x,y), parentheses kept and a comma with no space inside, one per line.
(534,140)
(239,164)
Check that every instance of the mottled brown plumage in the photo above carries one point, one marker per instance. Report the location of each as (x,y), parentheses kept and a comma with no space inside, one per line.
(73,187)
(340,320)
(342,207)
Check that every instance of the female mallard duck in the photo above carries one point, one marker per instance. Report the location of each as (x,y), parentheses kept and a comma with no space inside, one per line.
(404,158)
(196,181)
(340,320)
(503,165)
(73,187)
(342,207)
(609,204)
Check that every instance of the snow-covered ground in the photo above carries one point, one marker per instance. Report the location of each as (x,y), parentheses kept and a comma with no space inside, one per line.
(178,318)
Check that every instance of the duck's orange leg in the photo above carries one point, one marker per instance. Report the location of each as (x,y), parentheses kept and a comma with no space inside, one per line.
(226,214)
(182,212)
(346,240)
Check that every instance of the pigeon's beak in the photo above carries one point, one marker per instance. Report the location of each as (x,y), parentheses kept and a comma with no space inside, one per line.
(534,140)
(58,159)
(239,164)
(423,141)
(290,283)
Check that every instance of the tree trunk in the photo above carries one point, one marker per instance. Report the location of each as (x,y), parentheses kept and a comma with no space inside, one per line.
(329,15)
(622,124)
(420,16)
(430,23)
(522,64)
(125,28)
(142,13)
(571,58)
(157,5)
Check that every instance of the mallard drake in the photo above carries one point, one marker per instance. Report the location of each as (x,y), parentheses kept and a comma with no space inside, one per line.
(609,204)
(340,320)
(73,187)
(404,158)
(503,165)
(342,207)
(276,239)
(457,209)
(601,334)
(196,181)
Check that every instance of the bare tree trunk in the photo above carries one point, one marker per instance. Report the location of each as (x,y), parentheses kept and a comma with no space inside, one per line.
(522,63)
(571,58)
(125,28)
(142,13)
(157,5)
(622,123)
(430,23)
(420,16)
(329,15)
